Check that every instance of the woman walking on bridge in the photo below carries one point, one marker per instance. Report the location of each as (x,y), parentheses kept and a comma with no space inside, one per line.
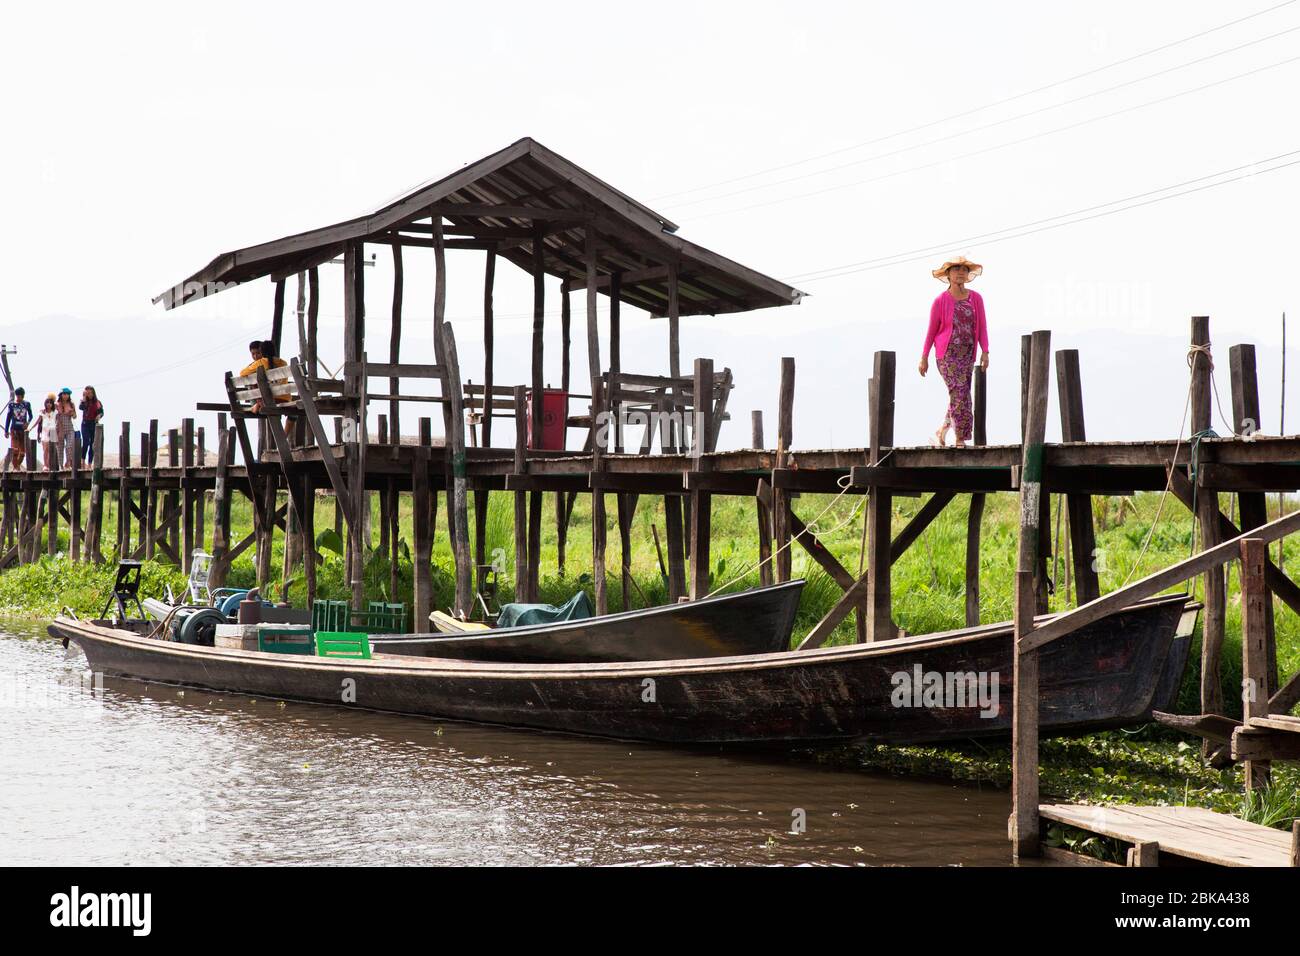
(956,327)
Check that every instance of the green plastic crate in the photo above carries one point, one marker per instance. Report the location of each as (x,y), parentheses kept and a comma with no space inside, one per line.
(284,640)
(343,644)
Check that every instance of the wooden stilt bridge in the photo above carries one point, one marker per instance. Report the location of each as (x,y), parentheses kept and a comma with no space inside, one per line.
(286,435)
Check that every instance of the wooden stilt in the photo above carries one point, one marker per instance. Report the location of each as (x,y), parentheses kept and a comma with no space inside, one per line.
(880,625)
(1253,504)
(975,516)
(489,344)
(124,503)
(221,509)
(1024,824)
(1082,539)
(598,406)
(149,458)
(457,499)
(521,497)
(187,494)
(308,531)
(1207,517)
(74,499)
(173,498)
(780,497)
(200,495)
(95,521)
(1255,642)
(422,552)
(395,346)
(354,332)
(764,513)
(701,501)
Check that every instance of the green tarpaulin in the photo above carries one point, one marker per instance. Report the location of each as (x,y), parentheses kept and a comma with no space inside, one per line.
(524,615)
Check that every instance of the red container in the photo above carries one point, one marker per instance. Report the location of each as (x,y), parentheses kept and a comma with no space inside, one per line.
(555,410)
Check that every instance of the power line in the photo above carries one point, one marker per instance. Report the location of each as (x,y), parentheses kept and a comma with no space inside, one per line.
(974,110)
(870,265)
(1065,215)
(987,126)
(1000,146)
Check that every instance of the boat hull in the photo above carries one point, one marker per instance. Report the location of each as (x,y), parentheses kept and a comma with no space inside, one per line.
(1104,675)
(756,621)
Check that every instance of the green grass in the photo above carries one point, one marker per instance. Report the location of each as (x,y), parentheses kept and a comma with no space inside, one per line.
(1153,765)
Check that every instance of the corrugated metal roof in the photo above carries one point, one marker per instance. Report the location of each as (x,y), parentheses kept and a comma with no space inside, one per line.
(505,196)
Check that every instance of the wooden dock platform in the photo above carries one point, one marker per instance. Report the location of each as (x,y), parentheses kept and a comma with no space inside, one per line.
(1165,835)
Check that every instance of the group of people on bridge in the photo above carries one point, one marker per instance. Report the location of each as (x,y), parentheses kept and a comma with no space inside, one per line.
(54,427)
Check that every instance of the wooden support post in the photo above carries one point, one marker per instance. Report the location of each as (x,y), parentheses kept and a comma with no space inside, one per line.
(221,509)
(74,498)
(674,323)
(307,522)
(701,501)
(149,458)
(539,337)
(676,547)
(458,504)
(780,497)
(1083,542)
(975,516)
(200,494)
(1044,524)
(1024,824)
(880,508)
(187,493)
(95,521)
(393,519)
(313,320)
(354,332)
(124,492)
(598,406)
(52,510)
(1144,853)
(489,336)
(764,513)
(522,577)
(422,532)
(31,540)
(395,344)
(1254,648)
(174,497)
(1207,517)
(277,316)
(384,542)
(1253,504)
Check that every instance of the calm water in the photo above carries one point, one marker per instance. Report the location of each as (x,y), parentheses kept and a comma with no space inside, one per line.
(152,774)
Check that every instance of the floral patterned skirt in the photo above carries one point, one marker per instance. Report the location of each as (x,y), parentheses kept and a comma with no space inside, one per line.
(957,366)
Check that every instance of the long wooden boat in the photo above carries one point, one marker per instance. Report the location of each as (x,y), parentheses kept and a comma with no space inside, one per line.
(1104,675)
(756,621)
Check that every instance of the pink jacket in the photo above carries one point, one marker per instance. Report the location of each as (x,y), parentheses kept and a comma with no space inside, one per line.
(941,323)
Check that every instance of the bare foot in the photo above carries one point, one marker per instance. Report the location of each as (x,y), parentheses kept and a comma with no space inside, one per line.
(941,437)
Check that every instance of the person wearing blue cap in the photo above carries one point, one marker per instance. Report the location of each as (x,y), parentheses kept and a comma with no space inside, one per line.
(67,429)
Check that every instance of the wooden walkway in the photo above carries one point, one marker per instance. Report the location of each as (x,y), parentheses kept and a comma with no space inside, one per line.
(1186,833)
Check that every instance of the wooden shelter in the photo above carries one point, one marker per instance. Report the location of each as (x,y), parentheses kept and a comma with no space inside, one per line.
(539,211)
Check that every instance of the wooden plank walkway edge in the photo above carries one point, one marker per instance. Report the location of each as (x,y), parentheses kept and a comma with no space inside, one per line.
(1191,833)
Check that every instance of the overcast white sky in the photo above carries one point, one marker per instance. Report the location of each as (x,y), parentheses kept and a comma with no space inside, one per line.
(144,139)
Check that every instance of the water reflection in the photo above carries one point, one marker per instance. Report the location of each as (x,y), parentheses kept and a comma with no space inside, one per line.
(143,774)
